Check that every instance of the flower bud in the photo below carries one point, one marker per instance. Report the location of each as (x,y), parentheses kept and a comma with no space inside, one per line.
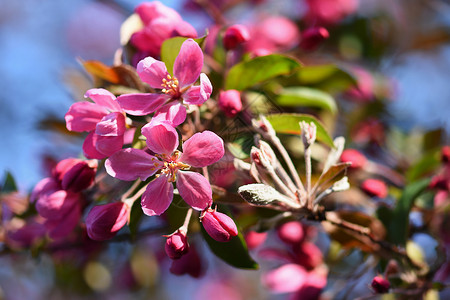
(255,239)
(308,133)
(291,232)
(355,157)
(176,245)
(375,187)
(445,154)
(190,263)
(75,174)
(380,285)
(235,35)
(309,255)
(313,37)
(104,221)
(218,225)
(230,102)
(439,182)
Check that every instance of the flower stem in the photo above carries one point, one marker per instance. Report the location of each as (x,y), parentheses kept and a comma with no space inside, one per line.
(130,190)
(184,228)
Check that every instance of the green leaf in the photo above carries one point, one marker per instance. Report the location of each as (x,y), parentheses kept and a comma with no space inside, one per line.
(304,96)
(171,47)
(9,184)
(234,252)
(289,123)
(249,73)
(398,220)
(326,77)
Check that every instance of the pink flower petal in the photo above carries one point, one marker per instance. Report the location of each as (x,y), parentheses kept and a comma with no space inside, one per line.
(198,94)
(162,138)
(45,186)
(158,196)
(108,145)
(185,29)
(55,205)
(112,124)
(145,43)
(194,189)
(286,279)
(173,113)
(152,71)
(128,136)
(60,228)
(202,149)
(130,164)
(189,63)
(149,11)
(83,116)
(89,149)
(141,104)
(103,98)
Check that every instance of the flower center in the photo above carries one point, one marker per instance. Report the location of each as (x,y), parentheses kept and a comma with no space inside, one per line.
(172,165)
(171,86)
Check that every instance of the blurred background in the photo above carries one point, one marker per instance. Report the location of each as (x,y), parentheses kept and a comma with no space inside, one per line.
(43,41)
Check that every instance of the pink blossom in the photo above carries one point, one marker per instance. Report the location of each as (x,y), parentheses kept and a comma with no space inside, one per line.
(59,228)
(104,120)
(201,150)
(355,157)
(230,102)
(313,37)
(271,35)
(255,239)
(160,23)
(176,245)
(235,35)
(218,225)
(375,187)
(75,174)
(176,90)
(330,11)
(104,221)
(363,92)
(291,232)
(380,285)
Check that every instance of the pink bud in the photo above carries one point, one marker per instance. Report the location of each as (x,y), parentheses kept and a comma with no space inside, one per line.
(309,256)
(439,182)
(235,35)
(255,239)
(357,159)
(75,174)
(60,228)
(291,232)
(313,37)
(104,221)
(218,225)
(445,154)
(230,102)
(380,285)
(190,263)
(177,245)
(375,187)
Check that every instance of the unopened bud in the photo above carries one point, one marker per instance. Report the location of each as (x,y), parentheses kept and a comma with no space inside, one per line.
(308,133)
(230,102)
(218,225)
(291,232)
(439,182)
(75,174)
(309,255)
(356,158)
(255,239)
(235,35)
(176,245)
(380,285)
(268,153)
(190,263)
(104,221)
(313,37)
(263,126)
(375,187)
(445,154)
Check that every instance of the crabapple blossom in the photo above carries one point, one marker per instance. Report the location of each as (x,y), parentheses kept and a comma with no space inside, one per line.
(313,37)
(218,225)
(380,285)
(104,119)
(104,221)
(200,150)
(160,23)
(176,245)
(355,157)
(230,102)
(375,187)
(176,90)
(235,35)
